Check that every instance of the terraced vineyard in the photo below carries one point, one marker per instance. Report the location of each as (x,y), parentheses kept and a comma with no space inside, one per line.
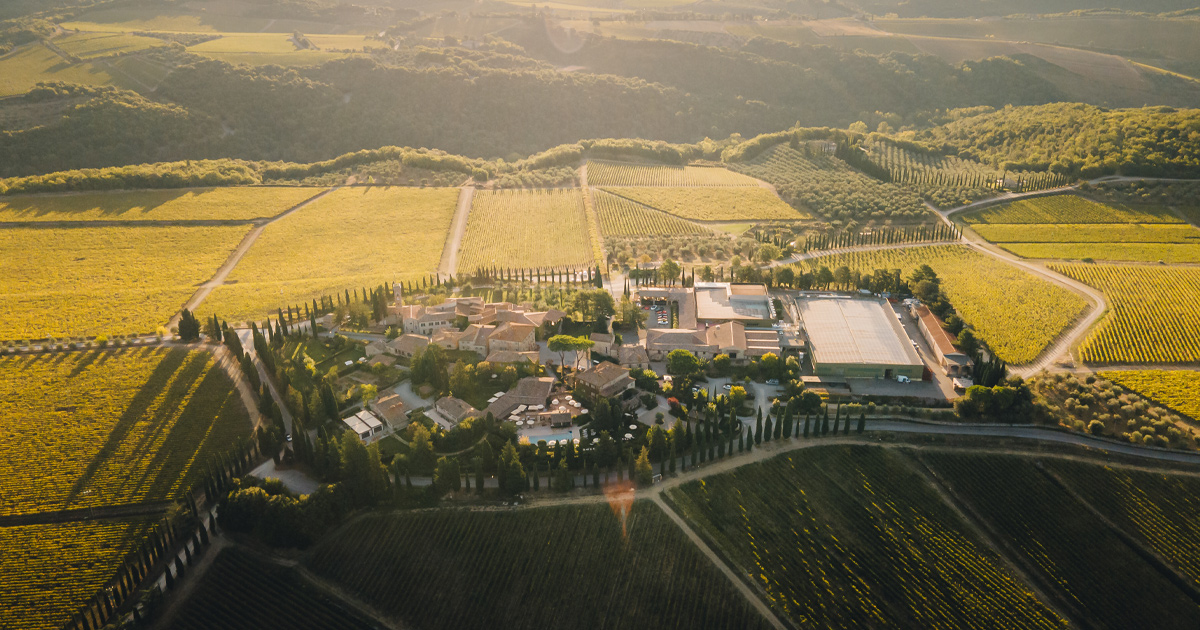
(370,235)
(48,571)
(526,229)
(1161,512)
(533,568)
(1153,316)
(622,217)
(84,429)
(1015,312)
(1069,209)
(601,173)
(1177,389)
(242,591)
(713,203)
(93,281)
(1065,545)
(853,537)
(812,180)
(195,204)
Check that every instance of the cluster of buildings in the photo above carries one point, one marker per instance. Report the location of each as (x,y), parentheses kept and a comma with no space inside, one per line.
(736,320)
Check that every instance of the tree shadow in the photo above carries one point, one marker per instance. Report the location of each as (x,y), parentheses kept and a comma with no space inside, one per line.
(113,205)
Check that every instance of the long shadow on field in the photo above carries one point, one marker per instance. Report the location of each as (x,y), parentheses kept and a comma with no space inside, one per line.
(111,206)
(136,412)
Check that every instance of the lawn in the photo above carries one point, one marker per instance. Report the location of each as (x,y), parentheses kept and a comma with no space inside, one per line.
(580,566)
(1015,312)
(526,229)
(110,427)
(351,238)
(48,571)
(59,282)
(194,204)
(713,203)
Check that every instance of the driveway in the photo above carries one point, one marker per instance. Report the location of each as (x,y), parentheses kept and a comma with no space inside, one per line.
(411,399)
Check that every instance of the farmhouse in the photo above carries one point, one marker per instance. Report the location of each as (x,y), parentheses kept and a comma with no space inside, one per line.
(603,343)
(529,391)
(633,357)
(954,362)
(454,410)
(375,348)
(604,380)
(364,424)
(513,338)
(854,338)
(391,410)
(509,356)
(408,345)
(730,338)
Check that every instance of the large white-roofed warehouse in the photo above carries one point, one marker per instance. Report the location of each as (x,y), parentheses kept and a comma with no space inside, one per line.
(857,338)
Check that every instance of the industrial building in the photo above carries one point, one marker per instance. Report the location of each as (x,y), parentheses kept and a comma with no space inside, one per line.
(857,338)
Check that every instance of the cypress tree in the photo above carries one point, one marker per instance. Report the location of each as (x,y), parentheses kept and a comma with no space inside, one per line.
(825,422)
(741,443)
(837,418)
(767,429)
(846,427)
(778,426)
(758,428)
(787,421)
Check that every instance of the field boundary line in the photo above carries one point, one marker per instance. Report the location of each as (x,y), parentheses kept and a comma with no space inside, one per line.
(343,596)
(458,229)
(595,234)
(98,513)
(645,206)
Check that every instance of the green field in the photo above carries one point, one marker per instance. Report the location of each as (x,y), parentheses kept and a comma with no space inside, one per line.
(1015,312)
(601,173)
(1177,389)
(59,282)
(622,217)
(1069,209)
(348,239)
(1153,313)
(852,537)
(48,571)
(240,590)
(92,45)
(713,203)
(526,229)
(110,427)
(1087,564)
(562,567)
(195,204)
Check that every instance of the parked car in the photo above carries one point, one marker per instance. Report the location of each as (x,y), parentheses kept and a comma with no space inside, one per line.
(903,379)
(772,381)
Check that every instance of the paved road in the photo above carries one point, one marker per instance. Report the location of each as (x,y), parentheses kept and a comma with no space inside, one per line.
(458,227)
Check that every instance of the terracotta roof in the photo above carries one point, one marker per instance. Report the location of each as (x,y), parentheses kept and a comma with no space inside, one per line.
(938,335)
(633,355)
(410,344)
(728,335)
(453,407)
(600,376)
(391,408)
(508,331)
(601,337)
(510,356)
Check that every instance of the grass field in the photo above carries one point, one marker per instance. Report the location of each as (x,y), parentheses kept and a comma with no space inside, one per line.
(527,229)
(555,567)
(1177,389)
(1069,209)
(1015,312)
(59,282)
(1116,252)
(622,217)
(1066,545)
(713,203)
(850,537)
(241,591)
(212,20)
(84,429)
(91,45)
(24,69)
(242,203)
(1153,313)
(48,571)
(352,237)
(601,173)
(277,48)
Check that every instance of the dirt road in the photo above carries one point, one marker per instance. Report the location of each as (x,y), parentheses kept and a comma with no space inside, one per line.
(458,227)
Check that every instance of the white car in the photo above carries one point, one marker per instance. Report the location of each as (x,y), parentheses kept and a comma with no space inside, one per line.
(903,379)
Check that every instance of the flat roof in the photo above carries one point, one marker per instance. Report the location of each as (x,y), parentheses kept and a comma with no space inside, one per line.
(363,422)
(855,331)
(714,303)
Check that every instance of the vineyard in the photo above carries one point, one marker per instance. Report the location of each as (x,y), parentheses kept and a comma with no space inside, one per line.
(111,427)
(555,567)
(1073,553)
(1016,313)
(59,282)
(1161,512)
(539,229)
(1168,253)
(810,179)
(880,236)
(242,591)
(365,236)
(622,217)
(601,173)
(852,537)
(48,571)
(1069,209)
(209,204)
(1177,389)
(713,203)
(1153,313)
(1088,233)
(95,45)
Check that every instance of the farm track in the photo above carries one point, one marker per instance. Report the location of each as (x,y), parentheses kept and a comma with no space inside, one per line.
(458,228)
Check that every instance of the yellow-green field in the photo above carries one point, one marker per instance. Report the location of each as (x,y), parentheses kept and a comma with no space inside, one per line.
(212,20)
(1177,389)
(91,45)
(1118,252)
(601,173)
(1015,312)
(713,203)
(622,217)
(1153,313)
(1088,233)
(277,48)
(526,229)
(60,282)
(352,237)
(111,427)
(1069,209)
(24,69)
(194,204)
(48,571)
